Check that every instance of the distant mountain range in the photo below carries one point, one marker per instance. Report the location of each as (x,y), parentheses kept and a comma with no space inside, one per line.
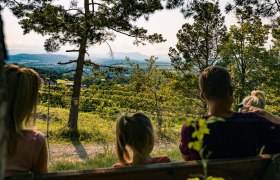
(55,58)
(37,58)
(50,60)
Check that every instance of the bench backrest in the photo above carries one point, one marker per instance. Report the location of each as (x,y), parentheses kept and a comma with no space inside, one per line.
(249,168)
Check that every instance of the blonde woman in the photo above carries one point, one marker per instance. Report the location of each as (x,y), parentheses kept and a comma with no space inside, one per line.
(135,133)
(27,150)
(256,103)
(256,99)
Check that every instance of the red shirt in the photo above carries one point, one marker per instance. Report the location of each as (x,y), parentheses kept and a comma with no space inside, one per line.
(155,160)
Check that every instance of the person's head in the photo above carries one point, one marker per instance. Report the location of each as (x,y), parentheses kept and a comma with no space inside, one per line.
(256,99)
(215,85)
(22,92)
(136,132)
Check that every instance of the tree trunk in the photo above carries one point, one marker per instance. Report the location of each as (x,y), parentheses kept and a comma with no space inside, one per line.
(158,111)
(2,103)
(242,84)
(74,109)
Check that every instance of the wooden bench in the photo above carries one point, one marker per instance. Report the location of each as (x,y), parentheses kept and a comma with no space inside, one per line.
(265,168)
(230,169)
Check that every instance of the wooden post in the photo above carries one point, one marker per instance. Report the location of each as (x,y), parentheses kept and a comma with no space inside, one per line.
(3,104)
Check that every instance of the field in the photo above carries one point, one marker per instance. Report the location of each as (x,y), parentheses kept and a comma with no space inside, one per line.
(95,147)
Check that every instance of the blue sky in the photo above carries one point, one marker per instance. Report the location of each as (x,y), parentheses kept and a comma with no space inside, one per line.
(166,22)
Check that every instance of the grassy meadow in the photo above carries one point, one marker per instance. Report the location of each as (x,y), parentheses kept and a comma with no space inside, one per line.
(95,146)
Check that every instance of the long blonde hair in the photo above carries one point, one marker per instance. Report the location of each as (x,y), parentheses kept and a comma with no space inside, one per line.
(256,99)
(134,131)
(22,92)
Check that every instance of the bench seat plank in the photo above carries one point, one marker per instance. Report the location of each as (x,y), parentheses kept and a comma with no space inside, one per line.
(230,169)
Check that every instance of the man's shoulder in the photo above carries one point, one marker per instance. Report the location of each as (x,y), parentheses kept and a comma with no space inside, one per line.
(241,120)
(248,117)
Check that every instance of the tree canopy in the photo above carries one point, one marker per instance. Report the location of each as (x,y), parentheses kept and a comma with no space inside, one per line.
(199,43)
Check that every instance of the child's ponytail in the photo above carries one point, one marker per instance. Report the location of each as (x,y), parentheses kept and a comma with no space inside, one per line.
(135,131)
(122,152)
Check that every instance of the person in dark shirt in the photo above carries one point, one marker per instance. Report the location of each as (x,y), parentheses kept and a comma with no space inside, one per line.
(241,134)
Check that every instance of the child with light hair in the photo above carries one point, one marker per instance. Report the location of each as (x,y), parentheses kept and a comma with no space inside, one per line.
(256,103)
(27,149)
(135,133)
(256,99)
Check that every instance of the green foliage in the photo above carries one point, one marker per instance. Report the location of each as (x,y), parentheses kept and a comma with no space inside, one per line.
(198,47)
(243,48)
(199,134)
(200,131)
(199,44)
(266,8)
(71,25)
(187,8)
(149,82)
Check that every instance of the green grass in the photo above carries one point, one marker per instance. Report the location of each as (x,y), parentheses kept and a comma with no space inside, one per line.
(99,161)
(107,159)
(172,151)
(94,129)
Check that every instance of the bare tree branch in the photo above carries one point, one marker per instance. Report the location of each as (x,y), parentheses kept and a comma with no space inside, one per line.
(121,32)
(68,62)
(111,50)
(90,63)
(67,72)
(73,50)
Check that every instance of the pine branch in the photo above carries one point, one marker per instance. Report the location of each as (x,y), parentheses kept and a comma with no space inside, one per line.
(67,72)
(90,63)
(69,62)
(121,32)
(73,50)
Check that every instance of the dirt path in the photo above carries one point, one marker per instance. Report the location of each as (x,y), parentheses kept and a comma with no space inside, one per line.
(80,152)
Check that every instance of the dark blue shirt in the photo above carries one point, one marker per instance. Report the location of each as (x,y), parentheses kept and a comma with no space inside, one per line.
(242,135)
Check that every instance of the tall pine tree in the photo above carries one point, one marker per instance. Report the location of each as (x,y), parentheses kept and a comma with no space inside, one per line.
(93,23)
(198,46)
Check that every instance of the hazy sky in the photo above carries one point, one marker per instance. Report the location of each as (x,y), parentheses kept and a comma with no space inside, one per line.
(166,22)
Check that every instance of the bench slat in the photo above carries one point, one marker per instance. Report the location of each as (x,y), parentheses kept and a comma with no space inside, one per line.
(233,169)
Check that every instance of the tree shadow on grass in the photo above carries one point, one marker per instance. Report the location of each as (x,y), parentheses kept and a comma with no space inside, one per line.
(82,153)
